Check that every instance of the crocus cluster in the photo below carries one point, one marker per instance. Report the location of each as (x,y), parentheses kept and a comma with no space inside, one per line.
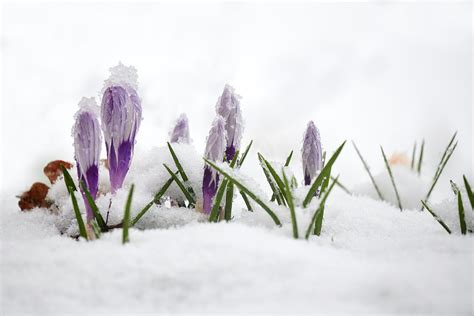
(223,141)
(120,114)
(180,131)
(87,147)
(311,153)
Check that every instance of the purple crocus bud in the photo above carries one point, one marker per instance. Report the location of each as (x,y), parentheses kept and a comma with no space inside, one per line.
(311,152)
(228,106)
(180,132)
(87,146)
(215,146)
(121,114)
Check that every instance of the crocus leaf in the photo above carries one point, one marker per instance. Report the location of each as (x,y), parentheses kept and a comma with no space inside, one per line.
(180,184)
(213,217)
(276,178)
(389,170)
(462,220)
(126,216)
(71,188)
(247,191)
(288,159)
(319,212)
(156,199)
(470,195)
(291,206)
(436,217)
(95,209)
(325,172)
(244,155)
(366,167)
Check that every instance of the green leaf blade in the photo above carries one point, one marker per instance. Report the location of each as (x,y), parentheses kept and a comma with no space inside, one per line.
(126,216)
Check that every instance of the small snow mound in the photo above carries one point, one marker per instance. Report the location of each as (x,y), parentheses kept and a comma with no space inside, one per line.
(123,76)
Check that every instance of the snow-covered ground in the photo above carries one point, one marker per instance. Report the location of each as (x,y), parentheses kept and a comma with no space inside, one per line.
(370,258)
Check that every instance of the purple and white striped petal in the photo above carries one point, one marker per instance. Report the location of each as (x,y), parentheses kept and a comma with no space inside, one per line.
(215,146)
(180,132)
(228,106)
(121,114)
(87,147)
(311,153)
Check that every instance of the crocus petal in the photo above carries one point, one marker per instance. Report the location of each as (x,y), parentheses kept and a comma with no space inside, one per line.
(121,114)
(311,153)
(87,147)
(215,146)
(228,106)
(180,132)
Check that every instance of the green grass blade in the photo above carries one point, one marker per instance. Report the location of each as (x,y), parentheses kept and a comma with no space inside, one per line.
(469,192)
(71,188)
(436,217)
(180,184)
(126,217)
(246,201)
(247,191)
(95,209)
(366,167)
(214,216)
(177,163)
(244,155)
(181,171)
(319,219)
(228,202)
(343,187)
(276,194)
(444,160)
(413,157)
(288,159)
(445,153)
(276,178)
(462,220)
(291,206)
(389,170)
(325,172)
(319,212)
(156,199)
(420,160)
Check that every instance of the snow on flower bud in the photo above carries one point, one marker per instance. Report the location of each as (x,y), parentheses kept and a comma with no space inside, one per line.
(87,146)
(180,132)
(228,106)
(121,114)
(311,153)
(215,146)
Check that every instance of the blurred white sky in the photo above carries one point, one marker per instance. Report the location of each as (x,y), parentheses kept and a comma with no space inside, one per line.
(382,73)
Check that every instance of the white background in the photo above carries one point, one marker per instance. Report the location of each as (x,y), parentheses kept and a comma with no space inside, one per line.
(377,73)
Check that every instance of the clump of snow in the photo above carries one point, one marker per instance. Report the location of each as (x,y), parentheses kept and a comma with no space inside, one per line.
(122,75)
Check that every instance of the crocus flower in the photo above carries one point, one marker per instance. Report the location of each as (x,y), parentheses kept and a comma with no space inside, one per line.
(87,146)
(228,106)
(215,146)
(121,114)
(180,132)
(311,152)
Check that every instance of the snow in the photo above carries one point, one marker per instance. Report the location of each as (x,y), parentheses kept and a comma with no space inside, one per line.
(371,258)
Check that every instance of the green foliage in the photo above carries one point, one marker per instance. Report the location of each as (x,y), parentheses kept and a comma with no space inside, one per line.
(389,170)
(71,188)
(126,216)
(436,217)
(325,173)
(366,167)
(247,191)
